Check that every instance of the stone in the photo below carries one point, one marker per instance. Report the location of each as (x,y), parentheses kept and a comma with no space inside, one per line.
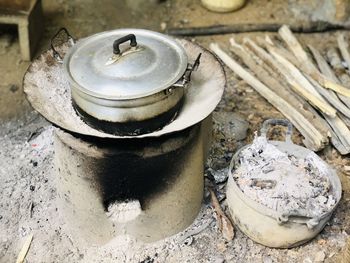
(231,125)
(324,10)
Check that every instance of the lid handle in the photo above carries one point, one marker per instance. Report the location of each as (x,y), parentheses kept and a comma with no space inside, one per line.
(116,43)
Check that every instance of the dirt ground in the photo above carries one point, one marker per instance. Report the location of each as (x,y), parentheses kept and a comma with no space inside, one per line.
(28,203)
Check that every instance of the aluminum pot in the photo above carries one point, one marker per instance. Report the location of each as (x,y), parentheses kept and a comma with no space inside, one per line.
(127,81)
(267,226)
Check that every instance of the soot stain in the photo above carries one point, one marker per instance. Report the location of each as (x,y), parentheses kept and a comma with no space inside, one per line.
(125,174)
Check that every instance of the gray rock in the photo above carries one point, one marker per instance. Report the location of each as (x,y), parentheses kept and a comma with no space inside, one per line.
(231,125)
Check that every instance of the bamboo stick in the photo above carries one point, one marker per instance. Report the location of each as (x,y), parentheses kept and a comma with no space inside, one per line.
(284,107)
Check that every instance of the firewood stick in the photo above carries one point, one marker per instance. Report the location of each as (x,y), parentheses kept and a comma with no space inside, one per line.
(284,107)
(334,60)
(296,48)
(344,119)
(343,47)
(339,132)
(343,150)
(303,81)
(322,64)
(328,95)
(224,223)
(306,27)
(337,125)
(23,253)
(327,71)
(308,94)
(294,78)
(273,70)
(313,128)
(306,64)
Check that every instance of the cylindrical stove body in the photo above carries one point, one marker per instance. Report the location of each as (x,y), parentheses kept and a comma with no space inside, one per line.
(149,188)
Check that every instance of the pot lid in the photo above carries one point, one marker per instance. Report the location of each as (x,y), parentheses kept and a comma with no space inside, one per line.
(125,64)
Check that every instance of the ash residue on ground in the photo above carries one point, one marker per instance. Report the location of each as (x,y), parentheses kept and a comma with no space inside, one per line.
(28,195)
(28,206)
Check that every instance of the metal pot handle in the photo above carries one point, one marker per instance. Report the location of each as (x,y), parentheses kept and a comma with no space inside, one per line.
(116,43)
(274,122)
(299,217)
(296,216)
(192,67)
(71,40)
(186,78)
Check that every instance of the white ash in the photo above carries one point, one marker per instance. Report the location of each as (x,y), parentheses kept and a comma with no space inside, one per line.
(29,206)
(283,182)
(123,212)
(220,176)
(55,90)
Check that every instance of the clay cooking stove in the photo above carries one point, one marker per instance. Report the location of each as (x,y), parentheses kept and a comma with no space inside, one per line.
(148,185)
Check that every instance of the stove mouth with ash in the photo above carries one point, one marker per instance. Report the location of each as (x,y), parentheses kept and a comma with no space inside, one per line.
(130,186)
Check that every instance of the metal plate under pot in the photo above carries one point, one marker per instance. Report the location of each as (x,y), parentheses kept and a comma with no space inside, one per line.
(50,93)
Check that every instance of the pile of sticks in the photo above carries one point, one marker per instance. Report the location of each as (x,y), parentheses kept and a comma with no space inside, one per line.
(312,91)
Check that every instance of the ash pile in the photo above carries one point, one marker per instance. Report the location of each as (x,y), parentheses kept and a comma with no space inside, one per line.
(284,182)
